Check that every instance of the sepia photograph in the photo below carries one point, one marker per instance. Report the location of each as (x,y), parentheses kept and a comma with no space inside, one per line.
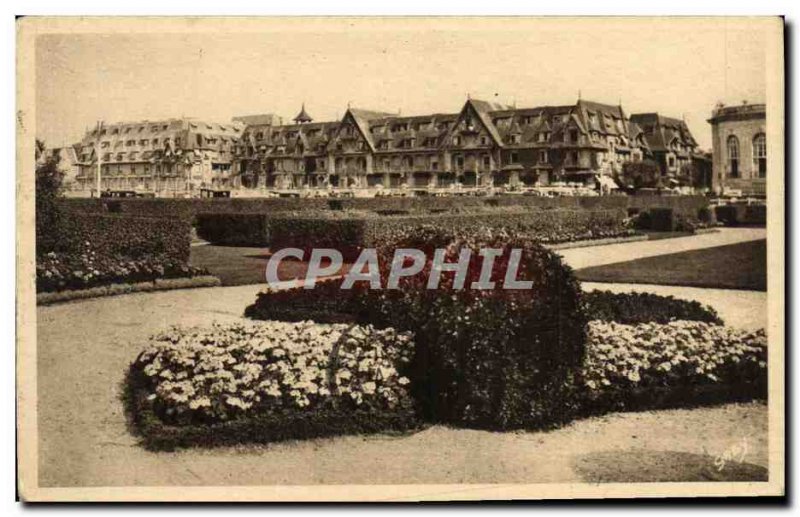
(398,259)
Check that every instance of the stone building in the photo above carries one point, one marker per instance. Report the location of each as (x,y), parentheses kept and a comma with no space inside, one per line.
(739,147)
(671,144)
(483,145)
(166,157)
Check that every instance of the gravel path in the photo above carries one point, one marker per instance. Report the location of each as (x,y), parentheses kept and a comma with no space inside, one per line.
(580,258)
(85,347)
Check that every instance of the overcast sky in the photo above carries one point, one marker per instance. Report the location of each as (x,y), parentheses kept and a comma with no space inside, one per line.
(678,67)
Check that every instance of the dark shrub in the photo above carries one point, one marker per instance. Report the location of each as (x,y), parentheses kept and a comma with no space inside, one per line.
(234,229)
(727,215)
(706,215)
(497,358)
(756,214)
(392,212)
(326,303)
(643,221)
(632,308)
(662,220)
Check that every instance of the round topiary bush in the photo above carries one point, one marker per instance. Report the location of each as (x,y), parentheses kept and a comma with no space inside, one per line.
(490,358)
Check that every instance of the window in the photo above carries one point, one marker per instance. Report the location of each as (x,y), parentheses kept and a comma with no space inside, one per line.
(671,161)
(573,135)
(456,140)
(485,141)
(435,165)
(760,155)
(733,156)
(543,157)
(486,162)
(199,139)
(514,158)
(459,162)
(573,157)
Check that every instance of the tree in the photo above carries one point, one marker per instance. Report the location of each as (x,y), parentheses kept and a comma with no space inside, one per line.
(643,174)
(49,216)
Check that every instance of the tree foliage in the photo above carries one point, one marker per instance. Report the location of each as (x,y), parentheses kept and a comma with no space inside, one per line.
(49,217)
(643,174)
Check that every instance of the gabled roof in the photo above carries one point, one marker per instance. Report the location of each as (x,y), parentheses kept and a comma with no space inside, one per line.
(362,118)
(483,109)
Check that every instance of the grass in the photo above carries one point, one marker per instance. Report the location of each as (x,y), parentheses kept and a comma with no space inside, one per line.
(235,265)
(734,266)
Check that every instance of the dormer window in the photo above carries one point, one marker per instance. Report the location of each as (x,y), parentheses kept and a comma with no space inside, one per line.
(484,140)
(456,140)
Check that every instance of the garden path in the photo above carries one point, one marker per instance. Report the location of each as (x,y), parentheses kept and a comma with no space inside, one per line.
(591,256)
(85,347)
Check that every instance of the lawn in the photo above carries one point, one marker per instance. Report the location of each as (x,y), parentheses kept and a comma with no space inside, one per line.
(734,266)
(235,265)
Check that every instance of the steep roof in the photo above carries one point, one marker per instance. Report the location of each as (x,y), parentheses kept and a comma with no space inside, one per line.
(303,117)
(660,131)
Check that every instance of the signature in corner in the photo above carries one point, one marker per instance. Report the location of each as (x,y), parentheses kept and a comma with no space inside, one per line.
(736,452)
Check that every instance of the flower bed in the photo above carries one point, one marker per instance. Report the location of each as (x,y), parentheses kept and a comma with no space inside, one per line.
(87,268)
(677,364)
(266,382)
(87,251)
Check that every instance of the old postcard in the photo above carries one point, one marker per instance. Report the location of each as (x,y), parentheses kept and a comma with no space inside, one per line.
(400,259)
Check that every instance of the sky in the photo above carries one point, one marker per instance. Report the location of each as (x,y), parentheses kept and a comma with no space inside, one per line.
(146,70)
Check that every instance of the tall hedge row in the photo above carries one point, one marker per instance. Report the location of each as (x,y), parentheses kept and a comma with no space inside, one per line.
(191,207)
(351,234)
(133,237)
(234,229)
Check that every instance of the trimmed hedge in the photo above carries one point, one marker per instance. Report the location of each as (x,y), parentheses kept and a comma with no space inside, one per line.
(739,213)
(632,308)
(662,220)
(133,237)
(498,358)
(352,234)
(328,303)
(189,208)
(233,229)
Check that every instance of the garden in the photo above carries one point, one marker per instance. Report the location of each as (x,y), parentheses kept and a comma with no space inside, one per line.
(326,361)
(309,363)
